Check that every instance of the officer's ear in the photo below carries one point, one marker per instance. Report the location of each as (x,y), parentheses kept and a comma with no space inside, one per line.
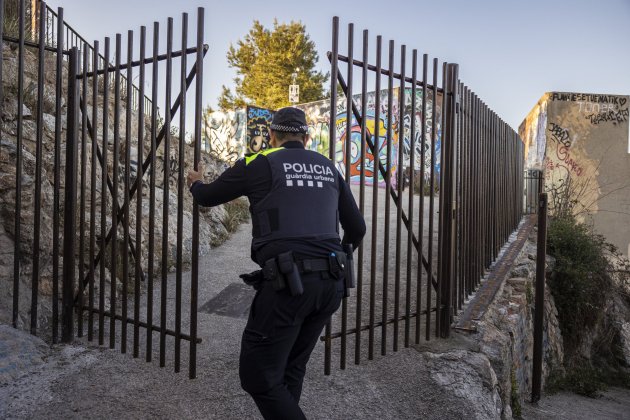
(307,138)
(272,139)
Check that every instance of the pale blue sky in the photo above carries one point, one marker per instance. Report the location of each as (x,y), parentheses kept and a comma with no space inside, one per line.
(509,52)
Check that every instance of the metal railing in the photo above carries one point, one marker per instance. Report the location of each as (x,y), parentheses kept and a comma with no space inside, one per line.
(112,253)
(412,281)
(55,33)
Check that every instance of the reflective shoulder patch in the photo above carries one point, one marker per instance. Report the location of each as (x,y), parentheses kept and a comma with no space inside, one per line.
(250,159)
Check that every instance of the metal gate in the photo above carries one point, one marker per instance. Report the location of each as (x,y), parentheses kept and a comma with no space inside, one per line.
(98,215)
(463,168)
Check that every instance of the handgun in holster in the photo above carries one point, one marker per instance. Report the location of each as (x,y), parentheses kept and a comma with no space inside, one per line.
(288,267)
(253,279)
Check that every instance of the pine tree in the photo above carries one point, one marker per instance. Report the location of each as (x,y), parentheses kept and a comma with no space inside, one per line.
(265,60)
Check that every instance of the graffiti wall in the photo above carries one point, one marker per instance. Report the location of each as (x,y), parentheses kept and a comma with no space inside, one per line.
(581,141)
(224,135)
(318,119)
(258,122)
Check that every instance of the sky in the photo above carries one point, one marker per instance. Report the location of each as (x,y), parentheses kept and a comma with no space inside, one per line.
(509,52)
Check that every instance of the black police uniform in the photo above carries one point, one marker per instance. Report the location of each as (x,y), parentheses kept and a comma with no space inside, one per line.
(297,199)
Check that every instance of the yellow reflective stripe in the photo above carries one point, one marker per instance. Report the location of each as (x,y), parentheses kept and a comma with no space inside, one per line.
(250,159)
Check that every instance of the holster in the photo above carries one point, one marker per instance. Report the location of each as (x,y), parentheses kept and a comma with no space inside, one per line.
(288,267)
(272,274)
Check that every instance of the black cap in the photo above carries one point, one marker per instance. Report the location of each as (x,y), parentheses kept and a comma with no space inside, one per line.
(289,120)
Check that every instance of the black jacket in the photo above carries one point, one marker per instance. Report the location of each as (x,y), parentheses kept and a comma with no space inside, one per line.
(254,181)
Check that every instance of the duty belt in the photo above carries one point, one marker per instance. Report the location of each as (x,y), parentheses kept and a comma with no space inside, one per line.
(312,265)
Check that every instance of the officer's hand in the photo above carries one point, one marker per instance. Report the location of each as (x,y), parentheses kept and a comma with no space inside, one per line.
(195,175)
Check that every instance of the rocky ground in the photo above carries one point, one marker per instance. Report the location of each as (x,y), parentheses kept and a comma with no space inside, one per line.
(438,379)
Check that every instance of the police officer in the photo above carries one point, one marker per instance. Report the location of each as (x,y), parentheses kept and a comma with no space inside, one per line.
(297,200)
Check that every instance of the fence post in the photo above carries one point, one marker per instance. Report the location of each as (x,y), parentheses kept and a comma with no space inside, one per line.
(539,308)
(448,206)
(70,210)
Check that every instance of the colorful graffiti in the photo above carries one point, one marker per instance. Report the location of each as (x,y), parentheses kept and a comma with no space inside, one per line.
(258,121)
(224,135)
(318,118)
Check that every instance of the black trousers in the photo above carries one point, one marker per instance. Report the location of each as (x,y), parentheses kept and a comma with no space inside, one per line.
(280,335)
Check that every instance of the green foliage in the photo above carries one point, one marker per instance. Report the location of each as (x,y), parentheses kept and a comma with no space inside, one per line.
(515,399)
(580,282)
(264,61)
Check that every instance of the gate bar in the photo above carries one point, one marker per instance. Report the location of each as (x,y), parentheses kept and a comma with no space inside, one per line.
(399,186)
(348,149)
(388,191)
(331,155)
(127,199)
(195,239)
(17,252)
(375,171)
(180,197)
(70,206)
(139,175)
(361,250)
(38,167)
(151,158)
(412,159)
(57,157)
(114,217)
(91,268)
(165,189)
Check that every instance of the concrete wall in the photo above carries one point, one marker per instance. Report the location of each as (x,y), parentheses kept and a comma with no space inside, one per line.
(581,141)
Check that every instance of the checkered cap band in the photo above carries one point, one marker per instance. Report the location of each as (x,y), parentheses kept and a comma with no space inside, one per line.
(290,129)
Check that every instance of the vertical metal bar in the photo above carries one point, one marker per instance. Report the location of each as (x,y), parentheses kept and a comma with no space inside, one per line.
(195,240)
(539,305)
(114,217)
(180,195)
(38,160)
(361,250)
(165,189)
(422,180)
(91,269)
(1,58)
(412,159)
(151,254)
(127,199)
(57,175)
(82,210)
(104,175)
(399,186)
(17,254)
(375,164)
(388,188)
(70,209)
(347,157)
(331,155)
(138,182)
(431,235)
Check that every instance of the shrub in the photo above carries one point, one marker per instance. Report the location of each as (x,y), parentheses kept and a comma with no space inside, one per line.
(580,282)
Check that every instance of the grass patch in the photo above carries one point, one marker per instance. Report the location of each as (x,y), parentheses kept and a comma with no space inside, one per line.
(236,212)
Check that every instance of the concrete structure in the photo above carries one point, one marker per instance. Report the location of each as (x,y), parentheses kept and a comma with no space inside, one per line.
(581,141)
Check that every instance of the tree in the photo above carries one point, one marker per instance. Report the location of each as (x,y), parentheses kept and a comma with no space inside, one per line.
(265,60)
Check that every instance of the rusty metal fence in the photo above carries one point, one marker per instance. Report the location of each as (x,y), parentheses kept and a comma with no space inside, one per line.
(423,257)
(95,205)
